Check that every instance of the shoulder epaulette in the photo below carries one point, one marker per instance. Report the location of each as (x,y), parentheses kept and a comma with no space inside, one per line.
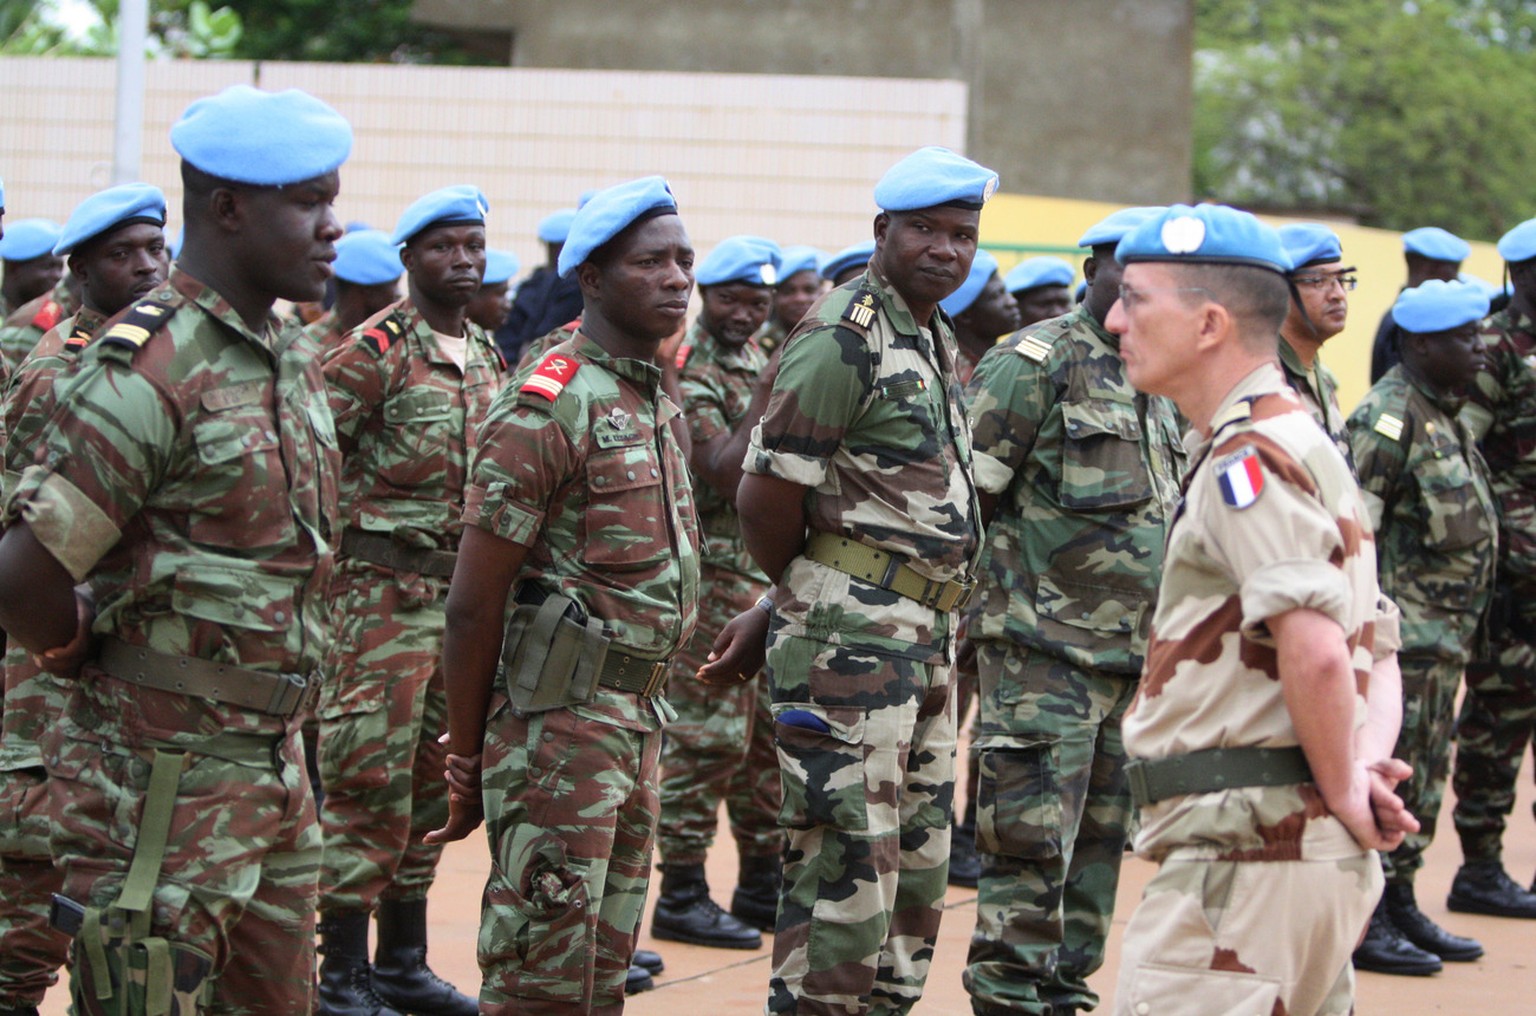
(683,352)
(1032,347)
(383,335)
(861,310)
(134,328)
(1389,426)
(79,336)
(48,315)
(1235,413)
(551,376)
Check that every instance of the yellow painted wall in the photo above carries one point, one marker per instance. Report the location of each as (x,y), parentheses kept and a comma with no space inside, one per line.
(1377,253)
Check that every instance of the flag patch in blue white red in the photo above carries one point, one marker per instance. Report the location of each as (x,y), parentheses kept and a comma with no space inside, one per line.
(1241,478)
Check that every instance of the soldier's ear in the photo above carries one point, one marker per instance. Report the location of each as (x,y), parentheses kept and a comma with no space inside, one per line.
(226,208)
(407,257)
(1090,268)
(882,226)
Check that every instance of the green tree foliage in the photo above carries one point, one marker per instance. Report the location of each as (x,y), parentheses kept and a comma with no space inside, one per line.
(1403,113)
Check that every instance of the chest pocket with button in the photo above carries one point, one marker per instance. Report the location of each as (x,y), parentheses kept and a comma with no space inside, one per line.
(1455,520)
(1102,466)
(229,490)
(421,424)
(625,525)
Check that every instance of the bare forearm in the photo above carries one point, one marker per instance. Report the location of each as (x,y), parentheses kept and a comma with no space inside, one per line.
(1377,738)
(1318,686)
(772,513)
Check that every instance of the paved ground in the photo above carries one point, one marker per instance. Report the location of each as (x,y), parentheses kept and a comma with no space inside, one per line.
(725,982)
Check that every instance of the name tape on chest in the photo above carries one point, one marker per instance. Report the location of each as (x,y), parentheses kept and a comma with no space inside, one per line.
(1389,426)
(1241,478)
(551,376)
(136,326)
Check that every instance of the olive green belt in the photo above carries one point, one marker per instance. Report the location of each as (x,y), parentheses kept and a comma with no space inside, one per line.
(273,694)
(633,673)
(382,550)
(1202,772)
(886,570)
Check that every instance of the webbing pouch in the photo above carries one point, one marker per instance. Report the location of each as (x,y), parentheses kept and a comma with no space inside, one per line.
(552,655)
(120,968)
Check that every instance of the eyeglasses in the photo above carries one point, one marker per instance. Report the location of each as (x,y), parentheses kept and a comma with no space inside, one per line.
(1346,282)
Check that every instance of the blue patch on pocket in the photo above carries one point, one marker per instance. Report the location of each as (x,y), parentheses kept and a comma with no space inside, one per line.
(803,718)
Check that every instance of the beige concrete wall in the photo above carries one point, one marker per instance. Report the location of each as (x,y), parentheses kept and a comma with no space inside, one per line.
(1086,99)
(794,158)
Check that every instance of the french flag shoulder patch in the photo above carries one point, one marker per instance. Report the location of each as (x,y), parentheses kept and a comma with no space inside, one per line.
(551,377)
(1241,478)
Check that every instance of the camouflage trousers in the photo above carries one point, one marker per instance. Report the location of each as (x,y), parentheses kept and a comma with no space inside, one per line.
(720,747)
(866,746)
(1424,742)
(382,709)
(31,952)
(570,809)
(1051,826)
(1493,730)
(1212,936)
(237,882)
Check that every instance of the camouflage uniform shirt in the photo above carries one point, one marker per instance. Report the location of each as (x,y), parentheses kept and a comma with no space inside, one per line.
(1211,680)
(1087,472)
(1319,391)
(194,482)
(1428,492)
(406,418)
(716,385)
(26,324)
(1502,414)
(866,413)
(595,485)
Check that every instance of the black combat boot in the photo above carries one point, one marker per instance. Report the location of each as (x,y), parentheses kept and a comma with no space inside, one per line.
(1386,951)
(26,1010)
(1417,928)
(637,980)
(648,961)
(755,902)
(346,984)
(1484,887)
(685,913)
(401,976)
(964,861)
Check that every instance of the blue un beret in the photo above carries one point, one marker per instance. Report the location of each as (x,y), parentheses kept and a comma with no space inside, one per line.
(983,267)
(1307,243)
(26,239)
(1041,271)
(1205,234)
(849,257)
(500,266)
(1488,289)
(1113,227)
(1519,244)
(268,139)
(800,258)
(1436,306)
(554,227)
(106,210)
(934,176)
(1436,244)
(367,257)
(754,260)
(459,205)
(611,211)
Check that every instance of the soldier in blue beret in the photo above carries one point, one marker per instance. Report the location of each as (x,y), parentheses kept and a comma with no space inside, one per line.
(1436,537)
(544,301)
(115,244)
(859,505)
(493,303)
(1041,287)
(1270,638)
(409,388)
(31,269)
(200,509)
(1077,477)
(721,746)
(579,504)
(1430,253)
(1498,711)
(799,285)
(983,311)
(847,263)
(368,274)
(1320,288)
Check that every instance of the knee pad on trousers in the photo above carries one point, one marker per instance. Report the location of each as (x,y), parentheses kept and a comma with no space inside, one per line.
(151,976)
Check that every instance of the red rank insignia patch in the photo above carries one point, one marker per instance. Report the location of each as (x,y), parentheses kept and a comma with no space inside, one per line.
(551,377)
(1241,478)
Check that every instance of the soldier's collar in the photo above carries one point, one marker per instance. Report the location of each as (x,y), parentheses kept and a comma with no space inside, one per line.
(273,337)
(647,375)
